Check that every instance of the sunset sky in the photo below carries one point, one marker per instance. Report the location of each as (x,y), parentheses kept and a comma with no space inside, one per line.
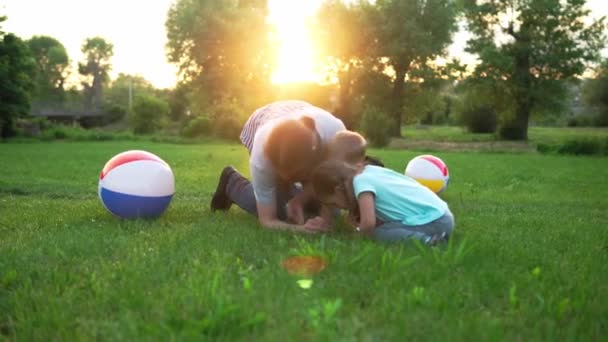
(137,30)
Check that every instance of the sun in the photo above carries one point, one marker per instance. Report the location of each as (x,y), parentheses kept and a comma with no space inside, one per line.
(296,61)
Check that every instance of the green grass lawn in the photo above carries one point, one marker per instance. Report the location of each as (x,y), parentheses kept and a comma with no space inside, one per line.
(528,260)
(547,135)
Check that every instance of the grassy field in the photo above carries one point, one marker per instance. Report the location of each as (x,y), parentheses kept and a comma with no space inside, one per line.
(536,135)
(528,260)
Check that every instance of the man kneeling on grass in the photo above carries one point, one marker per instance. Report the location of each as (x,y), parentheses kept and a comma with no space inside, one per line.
(285,140)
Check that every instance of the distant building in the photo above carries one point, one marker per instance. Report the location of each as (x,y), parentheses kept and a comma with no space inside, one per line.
(64,115)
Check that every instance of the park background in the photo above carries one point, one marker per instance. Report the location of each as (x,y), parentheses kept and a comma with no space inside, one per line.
(511,94)
(489,67)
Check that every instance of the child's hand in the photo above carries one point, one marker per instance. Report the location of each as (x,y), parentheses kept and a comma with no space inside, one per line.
(295,211)
(317,225)
(352,220)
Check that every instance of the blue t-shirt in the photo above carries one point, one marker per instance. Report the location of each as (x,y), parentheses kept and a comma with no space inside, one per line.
(399,197)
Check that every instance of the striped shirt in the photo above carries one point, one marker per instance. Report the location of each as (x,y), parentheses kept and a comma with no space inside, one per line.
(273,111)
(258,128)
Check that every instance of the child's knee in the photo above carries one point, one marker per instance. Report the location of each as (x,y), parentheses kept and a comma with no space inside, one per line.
(448,223)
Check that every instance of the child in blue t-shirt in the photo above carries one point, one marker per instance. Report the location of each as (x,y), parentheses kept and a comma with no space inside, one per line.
(389,205)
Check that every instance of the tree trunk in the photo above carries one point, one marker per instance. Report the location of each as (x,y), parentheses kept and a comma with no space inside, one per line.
(97,90)
(397,100)
(517,128)
(88,96)
(522,118)
(2,133)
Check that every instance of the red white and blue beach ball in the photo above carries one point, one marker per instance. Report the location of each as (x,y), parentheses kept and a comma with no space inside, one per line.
(136,184)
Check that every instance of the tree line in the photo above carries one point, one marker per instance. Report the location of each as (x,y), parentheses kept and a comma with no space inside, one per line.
(383,55)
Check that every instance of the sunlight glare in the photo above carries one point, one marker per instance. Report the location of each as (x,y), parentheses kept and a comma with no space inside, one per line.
(296,49)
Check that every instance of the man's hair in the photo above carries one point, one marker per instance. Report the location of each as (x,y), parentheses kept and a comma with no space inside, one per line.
(347,146)
(294,144)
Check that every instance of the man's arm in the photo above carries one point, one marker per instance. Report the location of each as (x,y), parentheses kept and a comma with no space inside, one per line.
(265,195)
(295,206)
(267,215)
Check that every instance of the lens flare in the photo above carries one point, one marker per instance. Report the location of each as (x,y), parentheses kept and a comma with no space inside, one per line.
(304,266)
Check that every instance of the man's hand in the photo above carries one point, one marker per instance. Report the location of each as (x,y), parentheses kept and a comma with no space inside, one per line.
(295,210)
(268,219)
(316,225)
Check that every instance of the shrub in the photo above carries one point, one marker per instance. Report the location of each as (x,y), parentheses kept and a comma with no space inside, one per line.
(110,114)
(197,127)
(149,114)
(577,147)
(376,126)
(43,123)
(33,127)
(479,119)
(227,127)
(581,147)
(60,132)
(114,113)
(226,121)
(475,110)
(510,131)
(583,120)
(434,118)
(601,120)
(545,148)
(46,130)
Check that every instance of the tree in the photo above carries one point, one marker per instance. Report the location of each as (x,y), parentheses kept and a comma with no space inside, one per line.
(178,101)
(148,115)
(476,106)
(125,88)
(17,69)
(51,67)
(595,94)
(222,46)
(95,70)
(407,35)
(527,45)
(344,39)
(371,88)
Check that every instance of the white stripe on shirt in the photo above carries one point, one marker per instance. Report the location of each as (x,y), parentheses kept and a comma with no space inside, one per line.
(268,113)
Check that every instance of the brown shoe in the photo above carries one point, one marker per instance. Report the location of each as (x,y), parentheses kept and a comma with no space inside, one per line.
(220,200)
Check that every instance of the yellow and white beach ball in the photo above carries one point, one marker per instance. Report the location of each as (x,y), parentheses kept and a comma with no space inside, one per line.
(429,171)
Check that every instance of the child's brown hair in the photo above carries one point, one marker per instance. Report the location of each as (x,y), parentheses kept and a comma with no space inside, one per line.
(336,174)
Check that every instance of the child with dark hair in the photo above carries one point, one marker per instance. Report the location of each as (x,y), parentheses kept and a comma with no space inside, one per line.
(405,208)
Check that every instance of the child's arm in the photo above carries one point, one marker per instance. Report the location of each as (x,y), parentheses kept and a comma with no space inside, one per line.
(367,212)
